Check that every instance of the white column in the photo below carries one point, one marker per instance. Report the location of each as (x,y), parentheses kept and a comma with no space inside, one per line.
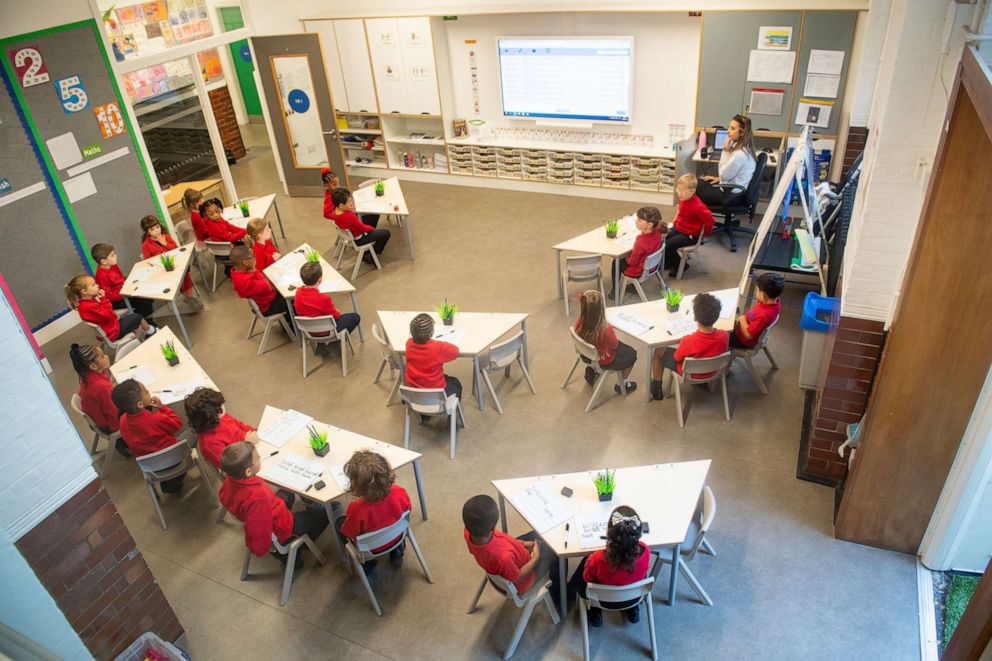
(215,139)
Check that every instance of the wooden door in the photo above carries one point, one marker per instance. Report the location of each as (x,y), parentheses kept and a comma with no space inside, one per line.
(940,343)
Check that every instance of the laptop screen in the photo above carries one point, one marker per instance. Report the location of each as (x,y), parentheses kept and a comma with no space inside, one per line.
(719,139)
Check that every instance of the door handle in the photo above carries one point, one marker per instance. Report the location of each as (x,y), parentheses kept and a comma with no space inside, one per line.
(331,134)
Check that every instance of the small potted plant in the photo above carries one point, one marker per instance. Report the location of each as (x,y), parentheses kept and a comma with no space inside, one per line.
(169,353)
(168,262)
(312,255)
(447,312)
(380,188)
(243,205)
(672,299)
(612,226)
(318,441)
(605,484)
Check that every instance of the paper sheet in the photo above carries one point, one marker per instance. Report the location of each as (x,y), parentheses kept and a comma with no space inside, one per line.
(591,528)
(180,390)
(813,113)
(541,507)
(822,85)
(332,285)
(140,272)
(232,214)
(337,472)
(728,304)
(139,373)
(292,262)
(769,66)
(766,101)
(78,188)
(147,289)
(631,323)
(626,240)
(288,424)
(64,150)
(295,472)
(681,325)
(450,334)
(825,61)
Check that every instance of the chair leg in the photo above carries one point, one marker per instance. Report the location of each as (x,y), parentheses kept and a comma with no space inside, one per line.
(768,354)
(314,550)
(221,515)
(649,605)
(492,391)
(584,625)
(677,385)
(564,288)
(213,285)
(682,263)
(578,360)
(523,368)
(595,391)
(340,254)
(752,368)
(420,555)
(251,327)
(265,338)
(378,375)
(707,547)
(287,578)
(453,424)
(290,333)
(691,579)
(358,265)
(726,400)
(244,565)
(640,291)
(396,389)
(96,441)
(344,355)
(110,453)
(375,258)
(602,286)
(199,267)
(519,631)
(550,605)
(461,414)
(622,383)
(158,507)
(365,582)
(661,278)
(478,595)
(406,430)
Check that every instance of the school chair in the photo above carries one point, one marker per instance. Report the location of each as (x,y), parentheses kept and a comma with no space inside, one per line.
(361,550)
(76,404)
(185,233)
(695,542)
(268,321)
(693,251)
(291,549)
(320,331)
(432,402)
(501,357)
(126,348)
(168,463)
(654,266)
(585,350)
(747,355)
(538,593)
(584,268)
(390,358)
(691,369)
(112,346)
(221,251)
(603,596)
(743,206)
(345,241)
(393,217)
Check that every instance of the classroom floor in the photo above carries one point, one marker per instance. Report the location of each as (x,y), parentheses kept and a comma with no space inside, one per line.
(783,587)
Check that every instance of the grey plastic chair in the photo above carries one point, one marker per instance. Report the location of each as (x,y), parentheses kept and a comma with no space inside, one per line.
(747,355)
(345,241)
(112,346)
(585,350)
(268,322)
(501,357)
(693,251)
(361,550)
(390,358)
(538,593)
(316,331)
(291,549)
(696,541)
(125,348)
(221,251)
(432,402)
(585,268)
(185,233)
(76,404)
(166,464)
(691,369)
(601,596)
(654,267)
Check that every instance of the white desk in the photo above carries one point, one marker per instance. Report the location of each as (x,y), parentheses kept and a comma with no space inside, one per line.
(595,242)
(284,275)
(166,377)
(657,315)
(258,207)
(343,444)
(664,495)
(391,202)
(149,279)
(483,329)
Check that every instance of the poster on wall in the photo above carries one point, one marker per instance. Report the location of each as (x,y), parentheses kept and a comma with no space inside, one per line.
(766,101)
(774,38)
(813,112)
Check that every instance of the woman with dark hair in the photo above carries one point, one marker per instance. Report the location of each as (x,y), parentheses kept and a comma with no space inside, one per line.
(736,167)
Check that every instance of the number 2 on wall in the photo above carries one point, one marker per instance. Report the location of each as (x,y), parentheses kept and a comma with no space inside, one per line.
(29,66)
(110,118)
(72,94)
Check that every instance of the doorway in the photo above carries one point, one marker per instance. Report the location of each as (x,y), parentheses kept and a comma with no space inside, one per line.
(244,67)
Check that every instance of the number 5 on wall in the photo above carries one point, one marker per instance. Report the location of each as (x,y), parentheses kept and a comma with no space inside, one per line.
(72,94)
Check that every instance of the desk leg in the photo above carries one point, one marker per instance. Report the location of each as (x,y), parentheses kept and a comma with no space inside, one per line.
(282,230)
(420,488)
(502,512)
(409,235)
(478,383)
(562,587)
(354,306)
(338,544)
(179,318)
(561,288)
(673,581)
(616,279)
(647,377)
(523,327)
(292,320)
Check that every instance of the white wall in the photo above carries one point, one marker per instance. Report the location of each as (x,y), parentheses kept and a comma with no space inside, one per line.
(22,16)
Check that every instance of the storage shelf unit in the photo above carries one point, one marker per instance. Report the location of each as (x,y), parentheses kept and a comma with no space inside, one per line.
(414,142)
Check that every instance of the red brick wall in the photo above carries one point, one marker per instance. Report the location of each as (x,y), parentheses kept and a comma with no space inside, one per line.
(850,366)
(87,560)
(857,137)
(227,123)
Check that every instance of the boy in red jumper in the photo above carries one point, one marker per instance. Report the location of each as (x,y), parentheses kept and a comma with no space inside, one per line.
(252,284)
(262,511)
(425,358)
(215,428)
(110,278)
(310,302)
(763,314)
(693,218)
(379,502)
(147,425)
(650,237)
(339,206)
(704,343)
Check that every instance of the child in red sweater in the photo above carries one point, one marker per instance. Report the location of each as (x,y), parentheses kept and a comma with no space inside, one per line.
(425,358)
(339,206)
(87,298)
(693,218)
(217,228)
(252,284)
(763,314)
(191,202)
(625,560)
(310,302)
(110,278)
(147,425)
(263,512)
(91,363)
(260,240)
(155,241)
(704,343)
(651,236)
(215,427)
(593,328)
(379,502)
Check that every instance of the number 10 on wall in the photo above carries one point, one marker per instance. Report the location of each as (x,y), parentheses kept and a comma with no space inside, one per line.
(110,119)
(72,94)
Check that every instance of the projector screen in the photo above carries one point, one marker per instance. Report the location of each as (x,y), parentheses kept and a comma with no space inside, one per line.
(585,78)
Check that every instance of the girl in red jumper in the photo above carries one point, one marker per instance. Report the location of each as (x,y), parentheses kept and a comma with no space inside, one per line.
(260,241)
(86,297)
(217,228)
(215,427)
(650,238)
(378,504)
(191,202)
(594,329)
(91,363)
(425,358)
(625,560)
(154,241)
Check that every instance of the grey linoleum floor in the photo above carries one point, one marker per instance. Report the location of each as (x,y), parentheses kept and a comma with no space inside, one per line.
(783,587)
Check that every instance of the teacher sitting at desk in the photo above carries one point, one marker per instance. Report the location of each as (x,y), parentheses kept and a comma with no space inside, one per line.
(736,167)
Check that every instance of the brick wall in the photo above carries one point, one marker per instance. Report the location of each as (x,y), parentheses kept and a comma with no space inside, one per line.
(849,367)
(857,137)
(87,560)
(227,123)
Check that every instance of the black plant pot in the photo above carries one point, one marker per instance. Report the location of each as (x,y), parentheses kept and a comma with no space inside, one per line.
(448,322)
(321,452)
(672,308)
(172,361)
(605,497)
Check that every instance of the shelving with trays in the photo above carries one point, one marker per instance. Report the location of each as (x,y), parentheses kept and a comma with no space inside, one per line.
(508,163)
(413,142)
(460,159)
(484,161)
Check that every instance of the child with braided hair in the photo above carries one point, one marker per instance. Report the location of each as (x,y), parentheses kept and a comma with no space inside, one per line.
(425,358)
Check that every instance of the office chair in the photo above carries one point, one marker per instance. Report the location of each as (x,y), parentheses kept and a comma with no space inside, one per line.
(746,206)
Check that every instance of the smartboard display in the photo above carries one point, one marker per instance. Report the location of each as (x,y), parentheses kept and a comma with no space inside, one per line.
(581,78)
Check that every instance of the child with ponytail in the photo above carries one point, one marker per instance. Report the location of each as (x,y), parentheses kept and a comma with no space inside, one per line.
(593,328)
(86,297)
(91,363)
(260,241)
(155,241)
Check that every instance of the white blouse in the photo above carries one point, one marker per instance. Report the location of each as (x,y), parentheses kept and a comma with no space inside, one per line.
(736,167)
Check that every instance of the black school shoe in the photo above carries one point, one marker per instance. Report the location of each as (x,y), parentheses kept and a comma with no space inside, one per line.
(631,387)
(284,558)
(122,448)
(633,614)
(590,376)
(657,392)
(595,617)
(396,555)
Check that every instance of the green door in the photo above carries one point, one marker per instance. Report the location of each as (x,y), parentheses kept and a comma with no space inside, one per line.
(243,66)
